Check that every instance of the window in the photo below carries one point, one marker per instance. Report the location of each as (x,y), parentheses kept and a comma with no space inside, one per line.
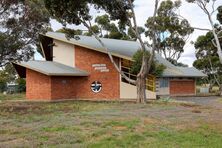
(164,82)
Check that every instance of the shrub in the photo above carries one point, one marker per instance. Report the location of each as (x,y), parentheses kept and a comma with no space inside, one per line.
(21,85)
(3,86)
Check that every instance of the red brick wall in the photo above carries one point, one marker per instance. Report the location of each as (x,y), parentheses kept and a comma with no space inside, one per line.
(84,58)
(182,87)
(44,87)
(65,87)
(38,86)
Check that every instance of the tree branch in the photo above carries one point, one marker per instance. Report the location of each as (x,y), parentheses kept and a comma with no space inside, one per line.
(218,45)
(202,29)
(154,36)
(211,67)
(136,26)
(109,54)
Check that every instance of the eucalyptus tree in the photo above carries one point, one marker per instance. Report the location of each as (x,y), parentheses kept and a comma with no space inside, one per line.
(20,23)
(116,31)
(207,58)
(172,30)
(104,27)
(78,12)
(203,5)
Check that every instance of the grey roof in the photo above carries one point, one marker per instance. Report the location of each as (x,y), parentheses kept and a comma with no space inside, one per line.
(53,68)
(125,49)
(182,72)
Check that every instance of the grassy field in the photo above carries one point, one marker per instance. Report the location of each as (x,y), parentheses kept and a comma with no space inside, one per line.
(91,124)
(12,97)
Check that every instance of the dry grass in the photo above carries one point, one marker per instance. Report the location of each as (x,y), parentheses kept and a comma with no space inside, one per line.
(90,124)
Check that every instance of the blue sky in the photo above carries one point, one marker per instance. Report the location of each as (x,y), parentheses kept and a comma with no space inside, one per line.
(144,9)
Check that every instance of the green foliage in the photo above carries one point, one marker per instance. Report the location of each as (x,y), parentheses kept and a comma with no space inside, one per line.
(207,57)
(176,63)
(21,85)
(3,86)
(75,12)
(172,31)
(156,69)
(219,14)
(132,35)
(70,32)
(103,21)
(113,31)
(94,29)
(21,23)
(7,75)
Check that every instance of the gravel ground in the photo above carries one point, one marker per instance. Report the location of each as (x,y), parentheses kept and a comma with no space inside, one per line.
(211,101)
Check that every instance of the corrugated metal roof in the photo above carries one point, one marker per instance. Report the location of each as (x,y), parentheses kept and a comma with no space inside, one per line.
(53,68)
(126,49)
(182,72)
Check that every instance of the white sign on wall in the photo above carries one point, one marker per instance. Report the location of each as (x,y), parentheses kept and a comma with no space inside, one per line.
(100,67)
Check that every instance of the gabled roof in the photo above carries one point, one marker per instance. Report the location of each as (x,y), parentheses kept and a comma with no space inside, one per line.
(50,68)
(125,49)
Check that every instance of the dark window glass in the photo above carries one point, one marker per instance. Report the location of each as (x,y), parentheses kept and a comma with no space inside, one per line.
(164,82)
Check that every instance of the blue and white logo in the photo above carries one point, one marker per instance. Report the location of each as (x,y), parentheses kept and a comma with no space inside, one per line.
(96,86)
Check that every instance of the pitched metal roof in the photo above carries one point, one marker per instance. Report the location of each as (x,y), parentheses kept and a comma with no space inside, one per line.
(126,49)
(52,68)
(182,72)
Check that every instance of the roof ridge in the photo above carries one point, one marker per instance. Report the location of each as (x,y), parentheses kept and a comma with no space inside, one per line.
(95,38)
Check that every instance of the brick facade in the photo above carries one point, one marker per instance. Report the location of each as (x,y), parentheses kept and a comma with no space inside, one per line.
(182,87)
(38,86)
(42,87)
(84,59)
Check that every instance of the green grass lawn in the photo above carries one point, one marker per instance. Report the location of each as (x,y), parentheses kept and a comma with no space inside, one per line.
(91,124)
(12,97)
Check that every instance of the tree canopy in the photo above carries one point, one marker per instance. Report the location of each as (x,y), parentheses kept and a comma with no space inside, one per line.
(207,58)
(74,12)
(219,14)
(156,68)
(204,6)
(104,27)
(172,31)
(21,23)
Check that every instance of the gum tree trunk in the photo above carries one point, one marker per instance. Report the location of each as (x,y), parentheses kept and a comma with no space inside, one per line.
(141,89)
(147,61)
(141,78)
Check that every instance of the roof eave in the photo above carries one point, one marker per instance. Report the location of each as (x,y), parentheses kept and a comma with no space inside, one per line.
(85,46)
(51,74)
(67,74)
(183,76)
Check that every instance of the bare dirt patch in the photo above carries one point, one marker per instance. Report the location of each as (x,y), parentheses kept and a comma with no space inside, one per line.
(196,111)
(190,105)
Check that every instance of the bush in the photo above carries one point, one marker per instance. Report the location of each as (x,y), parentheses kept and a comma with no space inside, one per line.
(21,85)
(156,68)
(3,86)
